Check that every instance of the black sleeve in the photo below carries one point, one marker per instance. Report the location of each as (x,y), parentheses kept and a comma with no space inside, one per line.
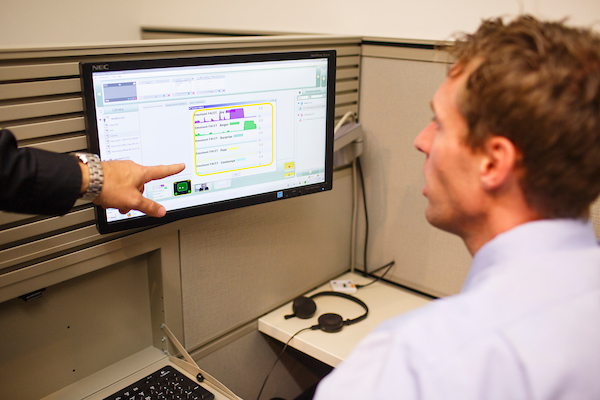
(34,181)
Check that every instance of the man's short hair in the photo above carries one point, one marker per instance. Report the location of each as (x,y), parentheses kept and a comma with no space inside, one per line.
(538,84)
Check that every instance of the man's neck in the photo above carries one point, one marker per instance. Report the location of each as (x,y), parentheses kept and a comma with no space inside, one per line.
(502,220)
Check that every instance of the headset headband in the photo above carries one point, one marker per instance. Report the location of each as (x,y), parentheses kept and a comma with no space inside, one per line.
(349,297)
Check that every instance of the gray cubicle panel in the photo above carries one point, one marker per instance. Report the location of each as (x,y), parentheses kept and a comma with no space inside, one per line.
(398,80)
(208,277)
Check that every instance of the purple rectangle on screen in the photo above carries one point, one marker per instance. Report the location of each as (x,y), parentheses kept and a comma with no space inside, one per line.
(236,113)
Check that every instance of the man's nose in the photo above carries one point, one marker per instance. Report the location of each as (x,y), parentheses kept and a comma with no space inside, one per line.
(423,140)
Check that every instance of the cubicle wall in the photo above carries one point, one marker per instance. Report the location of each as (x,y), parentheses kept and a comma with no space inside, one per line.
(398,80)
(227,270)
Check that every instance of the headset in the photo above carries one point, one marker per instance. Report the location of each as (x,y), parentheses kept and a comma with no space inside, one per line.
(305,307)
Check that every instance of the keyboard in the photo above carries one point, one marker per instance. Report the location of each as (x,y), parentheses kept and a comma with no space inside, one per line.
(165,384)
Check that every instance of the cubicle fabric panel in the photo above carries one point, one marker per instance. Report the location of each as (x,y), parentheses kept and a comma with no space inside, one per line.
(244,264)
(398,80)
(41,102)
(427,259)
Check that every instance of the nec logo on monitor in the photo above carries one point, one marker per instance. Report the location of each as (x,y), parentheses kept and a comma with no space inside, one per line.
(100,67)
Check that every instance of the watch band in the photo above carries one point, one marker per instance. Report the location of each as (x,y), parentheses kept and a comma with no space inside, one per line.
(96,175)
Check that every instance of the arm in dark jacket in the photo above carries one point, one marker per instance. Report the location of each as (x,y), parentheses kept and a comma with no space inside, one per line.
(34,181)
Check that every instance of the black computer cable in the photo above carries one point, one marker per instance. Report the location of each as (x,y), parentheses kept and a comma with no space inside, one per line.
(389,267)
(364,192)
(278,357)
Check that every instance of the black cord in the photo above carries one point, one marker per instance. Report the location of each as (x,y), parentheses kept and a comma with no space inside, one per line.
(278,357)
(389,265)
(364,192)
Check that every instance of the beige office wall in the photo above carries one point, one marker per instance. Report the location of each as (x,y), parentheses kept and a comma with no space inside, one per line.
(31,22)
(429,19)
(394,107)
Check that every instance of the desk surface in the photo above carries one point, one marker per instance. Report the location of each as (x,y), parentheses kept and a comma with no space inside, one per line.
(384,301)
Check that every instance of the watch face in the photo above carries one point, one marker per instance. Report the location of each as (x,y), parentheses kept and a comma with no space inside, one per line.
(82,156)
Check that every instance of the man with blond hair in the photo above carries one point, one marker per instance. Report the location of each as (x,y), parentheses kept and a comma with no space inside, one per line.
(512,166)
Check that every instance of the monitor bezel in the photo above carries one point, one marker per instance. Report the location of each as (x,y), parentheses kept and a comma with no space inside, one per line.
(89,109)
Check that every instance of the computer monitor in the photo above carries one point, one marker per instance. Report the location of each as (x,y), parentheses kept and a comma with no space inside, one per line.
(249,128)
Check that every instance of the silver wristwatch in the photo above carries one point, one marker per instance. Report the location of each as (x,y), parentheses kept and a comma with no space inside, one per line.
(96,175)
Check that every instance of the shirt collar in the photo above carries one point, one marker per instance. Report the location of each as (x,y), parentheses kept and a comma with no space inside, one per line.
(529,239)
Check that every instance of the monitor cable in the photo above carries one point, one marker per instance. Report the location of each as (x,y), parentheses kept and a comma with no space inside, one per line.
(364,193)
(357,170)
(278,357)
(349,114)
(378,278)
(351,117)
(354,216)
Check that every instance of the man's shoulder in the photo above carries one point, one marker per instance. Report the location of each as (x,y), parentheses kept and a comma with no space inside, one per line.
(441,329)
(508,303)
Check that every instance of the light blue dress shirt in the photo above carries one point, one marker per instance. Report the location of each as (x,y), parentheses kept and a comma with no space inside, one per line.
(526,325)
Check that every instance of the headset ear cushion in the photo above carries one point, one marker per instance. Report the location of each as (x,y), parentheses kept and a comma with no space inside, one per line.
(304,307)
(331,322)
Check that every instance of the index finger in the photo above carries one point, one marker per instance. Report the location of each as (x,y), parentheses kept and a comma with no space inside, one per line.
(162,171)
(151,208)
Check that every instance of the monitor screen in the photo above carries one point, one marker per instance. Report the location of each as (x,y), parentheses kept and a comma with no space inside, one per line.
(249,128)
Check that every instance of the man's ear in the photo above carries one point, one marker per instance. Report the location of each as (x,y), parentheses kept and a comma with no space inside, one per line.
(499,162)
